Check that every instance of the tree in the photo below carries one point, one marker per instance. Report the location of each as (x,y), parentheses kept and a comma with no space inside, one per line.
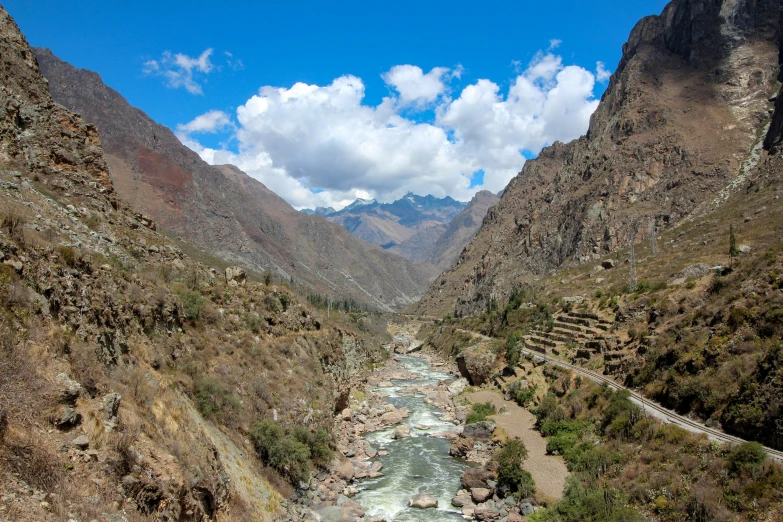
(512,353)
(267,277)
(733,252)
(511,477)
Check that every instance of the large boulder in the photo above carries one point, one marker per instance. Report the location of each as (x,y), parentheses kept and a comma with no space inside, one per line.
(458,386)
(462,498)
(476,478)
(69,389)
(342,467)
(461,446)
(479,430)
(476,365)
(402,431)
(235,276)
(480,495)
(423,501)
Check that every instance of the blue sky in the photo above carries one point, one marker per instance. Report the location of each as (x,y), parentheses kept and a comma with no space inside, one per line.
(419,138)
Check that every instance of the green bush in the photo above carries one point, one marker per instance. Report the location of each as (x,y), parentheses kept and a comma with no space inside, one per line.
(718,284)
(522,395)
(582,503)
(264,435)
(212,400)
(511,476)
(193,304)
(480,412)
(746,456)
(291,459)
(291,453)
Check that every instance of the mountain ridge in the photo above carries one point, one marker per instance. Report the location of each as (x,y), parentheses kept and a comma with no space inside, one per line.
(154,172)
(672,130)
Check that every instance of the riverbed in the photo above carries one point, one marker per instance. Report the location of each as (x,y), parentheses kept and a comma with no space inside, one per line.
(416,464)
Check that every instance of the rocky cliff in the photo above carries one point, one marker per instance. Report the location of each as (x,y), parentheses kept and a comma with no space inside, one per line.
(679,123)
(226,212)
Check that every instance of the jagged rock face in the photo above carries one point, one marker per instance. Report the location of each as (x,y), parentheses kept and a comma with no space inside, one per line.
(673,128)
(36,133)
(222,209)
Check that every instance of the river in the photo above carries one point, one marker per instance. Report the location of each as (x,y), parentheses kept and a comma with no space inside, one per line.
(417,464)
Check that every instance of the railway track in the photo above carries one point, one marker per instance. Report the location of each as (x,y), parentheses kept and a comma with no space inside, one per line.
(657,410)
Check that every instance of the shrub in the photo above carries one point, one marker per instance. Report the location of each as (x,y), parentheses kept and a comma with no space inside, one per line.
(264,435)
(718,284)
(292,453)
(13,224)
(511,477)
(746,456)
(480,412)
(212,400)
(522,395)
(193,304)
(267,277)
(291,459)
(68,255)
(645,286)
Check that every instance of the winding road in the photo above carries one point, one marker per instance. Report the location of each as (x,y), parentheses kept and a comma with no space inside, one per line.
(650,407)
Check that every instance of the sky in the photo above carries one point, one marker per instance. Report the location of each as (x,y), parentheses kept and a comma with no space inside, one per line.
(324,102)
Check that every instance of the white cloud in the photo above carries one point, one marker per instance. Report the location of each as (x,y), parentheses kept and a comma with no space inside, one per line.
(554,43)
(325,139)
(209,122)
(415,87)
(179,69)
(602,74)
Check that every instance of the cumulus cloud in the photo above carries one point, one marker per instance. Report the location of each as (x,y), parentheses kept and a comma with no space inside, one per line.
(415,87)
(602,74)
(320,145)
(211,121)
(180,70)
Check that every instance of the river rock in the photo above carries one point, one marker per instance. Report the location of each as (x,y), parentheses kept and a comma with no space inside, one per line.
(480,495)
(402,431)
(462,498)
(393,417)
(476,478)
(385,384)
(468,510)
(479,430)
(486,513)
(342,468)
(423,501)
(461,447)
